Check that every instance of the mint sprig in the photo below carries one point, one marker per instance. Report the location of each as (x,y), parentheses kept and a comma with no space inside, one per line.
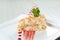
(36,12)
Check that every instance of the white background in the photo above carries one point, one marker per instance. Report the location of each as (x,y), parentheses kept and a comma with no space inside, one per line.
(10,9)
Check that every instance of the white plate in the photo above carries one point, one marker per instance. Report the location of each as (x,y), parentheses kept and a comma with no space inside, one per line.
(8,31)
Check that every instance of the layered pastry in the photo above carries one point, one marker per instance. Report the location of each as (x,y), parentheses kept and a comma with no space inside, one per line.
(34,22)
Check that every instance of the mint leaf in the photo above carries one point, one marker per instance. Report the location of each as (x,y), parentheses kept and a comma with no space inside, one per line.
(36,12)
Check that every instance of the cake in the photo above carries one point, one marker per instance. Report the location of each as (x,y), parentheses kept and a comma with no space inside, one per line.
(34,22)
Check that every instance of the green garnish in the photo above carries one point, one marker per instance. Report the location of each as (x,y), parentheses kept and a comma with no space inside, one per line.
(36,12)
